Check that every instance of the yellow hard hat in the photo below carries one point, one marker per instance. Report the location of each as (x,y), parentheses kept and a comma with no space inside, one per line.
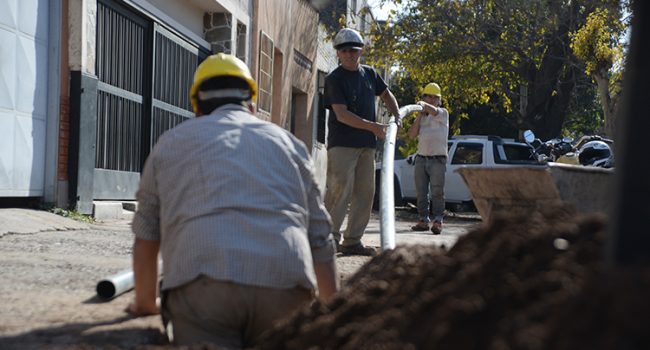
(432,89)
(220,65)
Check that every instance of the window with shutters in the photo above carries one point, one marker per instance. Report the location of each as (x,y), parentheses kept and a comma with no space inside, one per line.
(265,81)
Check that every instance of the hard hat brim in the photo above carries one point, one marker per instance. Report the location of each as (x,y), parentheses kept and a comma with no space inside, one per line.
(354,46)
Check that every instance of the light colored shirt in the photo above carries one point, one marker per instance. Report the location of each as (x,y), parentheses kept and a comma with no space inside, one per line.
(433,134)
(234,198)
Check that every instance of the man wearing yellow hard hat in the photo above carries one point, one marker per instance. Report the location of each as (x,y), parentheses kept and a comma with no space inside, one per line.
(231,203)
(431,128)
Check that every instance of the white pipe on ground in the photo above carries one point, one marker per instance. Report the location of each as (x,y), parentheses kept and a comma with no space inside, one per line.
(119,283)
(112,286)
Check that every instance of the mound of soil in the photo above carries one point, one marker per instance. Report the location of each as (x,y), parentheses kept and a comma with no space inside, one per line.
(523,282)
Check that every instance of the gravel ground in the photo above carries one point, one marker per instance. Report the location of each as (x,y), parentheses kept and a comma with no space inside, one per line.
(49,280)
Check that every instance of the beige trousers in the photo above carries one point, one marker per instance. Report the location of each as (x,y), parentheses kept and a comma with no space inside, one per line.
(350,182)
(226,314)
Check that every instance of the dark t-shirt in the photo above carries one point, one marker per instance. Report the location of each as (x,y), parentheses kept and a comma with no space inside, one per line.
(357,90)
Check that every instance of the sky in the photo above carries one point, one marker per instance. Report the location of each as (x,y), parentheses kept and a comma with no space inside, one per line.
(381,13)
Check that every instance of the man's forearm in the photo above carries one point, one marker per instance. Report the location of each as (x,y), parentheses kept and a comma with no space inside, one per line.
(327,279)
(145,270)
(414,130)
(353,120)
(346,117)
(429,108)
(391,103)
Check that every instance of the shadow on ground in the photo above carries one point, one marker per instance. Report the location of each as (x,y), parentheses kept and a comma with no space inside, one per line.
(85,336)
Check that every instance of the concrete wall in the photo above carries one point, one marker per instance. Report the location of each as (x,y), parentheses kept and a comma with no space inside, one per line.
(326,62)
(82,15)
(212,20)
(187,13)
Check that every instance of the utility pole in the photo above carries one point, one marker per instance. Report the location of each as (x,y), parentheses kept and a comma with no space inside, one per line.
(628,235)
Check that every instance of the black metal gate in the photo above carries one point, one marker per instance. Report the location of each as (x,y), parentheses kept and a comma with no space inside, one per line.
(144,75)
(175,61)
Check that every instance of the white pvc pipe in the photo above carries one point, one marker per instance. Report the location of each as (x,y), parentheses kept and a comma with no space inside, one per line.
(387,190)
(119,283)
(114,285)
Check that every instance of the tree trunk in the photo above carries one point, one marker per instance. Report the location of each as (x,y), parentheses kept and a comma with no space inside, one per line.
(609,105)
(549,95)
(550,84)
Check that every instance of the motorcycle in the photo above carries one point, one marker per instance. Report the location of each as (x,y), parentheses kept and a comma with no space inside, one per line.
(553,150)
(589,150)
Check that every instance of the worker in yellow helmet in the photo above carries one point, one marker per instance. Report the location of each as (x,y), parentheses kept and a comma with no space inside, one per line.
(431,128)
(231,203)
(224,79)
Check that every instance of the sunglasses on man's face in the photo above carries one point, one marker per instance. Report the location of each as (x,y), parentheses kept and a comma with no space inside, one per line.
(350,50)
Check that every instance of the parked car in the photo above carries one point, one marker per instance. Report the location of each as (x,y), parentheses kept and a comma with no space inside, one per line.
(463,151)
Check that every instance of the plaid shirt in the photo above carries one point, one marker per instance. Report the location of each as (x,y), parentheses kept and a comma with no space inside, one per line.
(234,198)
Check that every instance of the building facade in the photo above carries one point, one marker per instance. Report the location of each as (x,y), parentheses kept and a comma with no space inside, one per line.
(88,86)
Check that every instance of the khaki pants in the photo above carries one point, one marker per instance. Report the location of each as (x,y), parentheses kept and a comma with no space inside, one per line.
(350,180)
(230,315)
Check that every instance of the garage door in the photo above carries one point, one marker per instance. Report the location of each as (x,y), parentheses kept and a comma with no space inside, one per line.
(23,96)
(144,76)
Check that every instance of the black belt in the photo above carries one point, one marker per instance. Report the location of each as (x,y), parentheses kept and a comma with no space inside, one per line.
(431,157)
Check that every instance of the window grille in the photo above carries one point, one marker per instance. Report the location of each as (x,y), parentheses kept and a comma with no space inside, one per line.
(265,80)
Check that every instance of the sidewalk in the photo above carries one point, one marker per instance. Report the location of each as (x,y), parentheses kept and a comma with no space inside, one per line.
(23,221)
(453,228)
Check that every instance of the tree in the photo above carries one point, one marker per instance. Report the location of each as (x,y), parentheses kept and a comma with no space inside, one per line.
(511,55)
(585,114)
(597,43)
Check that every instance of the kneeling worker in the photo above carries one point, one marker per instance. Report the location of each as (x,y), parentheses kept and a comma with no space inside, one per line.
(231,203)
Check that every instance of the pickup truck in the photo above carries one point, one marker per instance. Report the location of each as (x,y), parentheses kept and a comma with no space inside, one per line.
(463,151)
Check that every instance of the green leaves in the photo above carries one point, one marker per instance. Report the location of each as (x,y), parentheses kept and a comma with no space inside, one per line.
(483,52)
(596,43)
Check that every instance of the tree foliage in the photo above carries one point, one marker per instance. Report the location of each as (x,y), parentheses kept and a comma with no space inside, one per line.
(513,56)
(597,44)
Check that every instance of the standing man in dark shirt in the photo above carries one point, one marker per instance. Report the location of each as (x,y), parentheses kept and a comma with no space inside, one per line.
(350,92)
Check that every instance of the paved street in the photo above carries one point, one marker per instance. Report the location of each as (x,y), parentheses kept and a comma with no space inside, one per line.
(50,266)
(453,228)
(25,221)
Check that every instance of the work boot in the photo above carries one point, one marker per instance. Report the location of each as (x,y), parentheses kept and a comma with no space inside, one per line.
(357,249)
(420,226)
(436,227)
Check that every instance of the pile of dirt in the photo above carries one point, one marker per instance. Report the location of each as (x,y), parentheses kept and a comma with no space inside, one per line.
(523,282)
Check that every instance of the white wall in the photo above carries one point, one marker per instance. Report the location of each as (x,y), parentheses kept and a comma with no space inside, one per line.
(189,13)
(24,26)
